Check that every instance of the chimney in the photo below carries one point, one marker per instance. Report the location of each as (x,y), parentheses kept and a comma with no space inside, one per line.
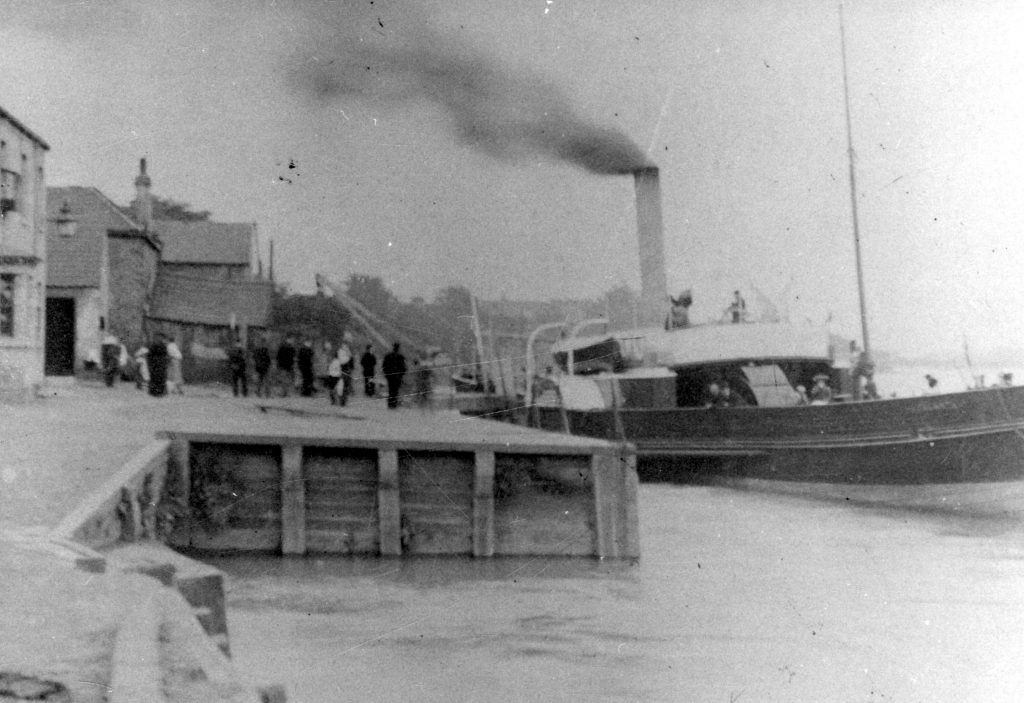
(143,203)
(653,281)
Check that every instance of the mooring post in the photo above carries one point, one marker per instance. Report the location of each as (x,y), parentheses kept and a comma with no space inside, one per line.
(389,509)
(293,501)
(483,504)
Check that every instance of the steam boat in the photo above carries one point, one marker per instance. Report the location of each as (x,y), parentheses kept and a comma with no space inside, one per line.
(961,451)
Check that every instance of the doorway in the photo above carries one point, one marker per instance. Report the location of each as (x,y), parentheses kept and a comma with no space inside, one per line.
(60,337)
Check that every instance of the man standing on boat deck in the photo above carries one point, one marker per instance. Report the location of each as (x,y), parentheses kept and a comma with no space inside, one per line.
(679,314)
(738,308)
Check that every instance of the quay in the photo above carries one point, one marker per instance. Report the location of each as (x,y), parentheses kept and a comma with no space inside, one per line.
(739,595)
(374,481)
(96,481)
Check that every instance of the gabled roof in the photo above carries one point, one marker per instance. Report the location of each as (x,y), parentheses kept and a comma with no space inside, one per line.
(23,129)
(208,301)
(207,242)
(76,261)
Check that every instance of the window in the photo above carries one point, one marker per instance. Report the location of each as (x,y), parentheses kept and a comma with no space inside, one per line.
(10,187)
(7,305)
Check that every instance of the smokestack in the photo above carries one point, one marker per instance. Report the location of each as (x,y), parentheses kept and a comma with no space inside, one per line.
(653,281)
(143,203)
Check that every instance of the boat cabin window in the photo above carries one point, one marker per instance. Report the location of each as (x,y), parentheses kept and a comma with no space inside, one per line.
(765,385)
(692,384)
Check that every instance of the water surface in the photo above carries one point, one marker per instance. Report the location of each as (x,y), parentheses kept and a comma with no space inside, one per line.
(738,597)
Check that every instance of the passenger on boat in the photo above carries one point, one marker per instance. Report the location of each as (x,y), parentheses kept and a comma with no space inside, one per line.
(729,399)
(821,393)
(870,389)
(714,394)
(801,396)
(679,316)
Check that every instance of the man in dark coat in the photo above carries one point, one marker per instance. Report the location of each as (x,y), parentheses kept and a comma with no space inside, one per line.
(368,362)
(261,365)
(393,368)
(157,359)
(237,363)
(305,363)
(286,365)
(110,353)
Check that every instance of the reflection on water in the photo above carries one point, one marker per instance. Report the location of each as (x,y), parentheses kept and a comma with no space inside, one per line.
(738,596)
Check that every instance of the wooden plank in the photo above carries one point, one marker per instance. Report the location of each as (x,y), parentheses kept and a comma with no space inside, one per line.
(427,434)
(630,522)
(389,509)
(483,504)
(606,496)
(293,501)
(544,505)
(437,502)
(180,456)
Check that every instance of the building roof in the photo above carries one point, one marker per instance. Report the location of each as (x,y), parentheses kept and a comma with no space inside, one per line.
(207,242)
(76,261)
(23,129)
(207,301)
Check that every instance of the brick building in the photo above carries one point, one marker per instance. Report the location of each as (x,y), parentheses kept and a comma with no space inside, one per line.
(100,274)
(208,286)
(205,314)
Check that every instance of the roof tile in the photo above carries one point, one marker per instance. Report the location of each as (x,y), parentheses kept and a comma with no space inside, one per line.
(206,242)
(208,301)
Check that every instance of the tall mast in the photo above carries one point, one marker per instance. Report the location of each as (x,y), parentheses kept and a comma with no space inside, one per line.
(853,194)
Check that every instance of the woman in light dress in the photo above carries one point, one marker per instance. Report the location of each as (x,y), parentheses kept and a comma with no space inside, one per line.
(175,381)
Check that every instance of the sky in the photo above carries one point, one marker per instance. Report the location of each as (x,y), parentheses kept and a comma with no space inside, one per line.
(413,141)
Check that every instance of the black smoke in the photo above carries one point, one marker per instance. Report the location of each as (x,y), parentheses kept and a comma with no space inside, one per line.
(507,116)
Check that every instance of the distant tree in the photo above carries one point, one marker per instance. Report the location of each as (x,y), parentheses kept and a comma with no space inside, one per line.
(452,312)
(314,316)
(371,292)
(168,209)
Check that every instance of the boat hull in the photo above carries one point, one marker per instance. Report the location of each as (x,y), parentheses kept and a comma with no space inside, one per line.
(862,449)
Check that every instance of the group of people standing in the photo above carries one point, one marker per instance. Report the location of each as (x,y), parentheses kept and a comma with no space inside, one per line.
(291,367)
(158,367)
(294,367)
(309,370)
